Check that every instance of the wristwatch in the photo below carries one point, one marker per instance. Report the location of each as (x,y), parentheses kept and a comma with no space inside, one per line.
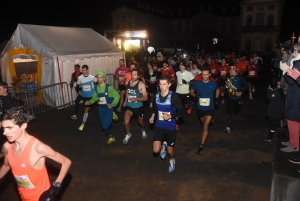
(56,184)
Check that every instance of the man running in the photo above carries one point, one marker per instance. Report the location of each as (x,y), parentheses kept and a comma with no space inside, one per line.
(25,156)
(85,93)
(74,78)
(236,85)
(207,93)
(135,95)
(168,107)
(120,76)
(107,98)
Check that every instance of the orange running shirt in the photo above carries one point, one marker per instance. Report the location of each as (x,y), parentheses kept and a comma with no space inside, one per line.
(31,182)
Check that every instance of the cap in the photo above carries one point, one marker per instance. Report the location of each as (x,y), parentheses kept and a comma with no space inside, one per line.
(101,73)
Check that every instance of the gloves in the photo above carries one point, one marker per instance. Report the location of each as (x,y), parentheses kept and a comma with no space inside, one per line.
(184,81)
(49,195)
(216,104)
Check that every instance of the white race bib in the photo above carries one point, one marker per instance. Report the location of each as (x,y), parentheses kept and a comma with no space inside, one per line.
(24,182)
(160,116)
(213,71)
(86,88)
(251,73)
(223,72)
(120,79)
(152,79)
(102,100)
(204,101)
(131,97)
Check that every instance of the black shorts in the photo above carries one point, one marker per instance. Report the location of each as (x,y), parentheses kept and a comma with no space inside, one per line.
(122,87)
(222,82)
(161,135)
(185,98)
(152,88)
(136,111)
(202,113)
(85,100)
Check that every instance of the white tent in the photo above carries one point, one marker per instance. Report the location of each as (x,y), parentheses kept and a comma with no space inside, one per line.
(58,49)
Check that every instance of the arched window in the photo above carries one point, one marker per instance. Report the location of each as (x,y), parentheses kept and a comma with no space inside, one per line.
(249,20)
(270,20)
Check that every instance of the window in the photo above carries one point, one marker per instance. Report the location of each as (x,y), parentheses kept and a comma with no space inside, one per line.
(270,20)
(259,20)
(249,20)
(271,7)
(260,8)
(249,8)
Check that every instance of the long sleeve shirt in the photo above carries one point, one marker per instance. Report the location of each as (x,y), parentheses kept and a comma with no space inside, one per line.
(111,93)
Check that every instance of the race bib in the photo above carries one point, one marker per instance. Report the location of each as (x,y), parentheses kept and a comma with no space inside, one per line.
(204,101)
(131,97)
(251,73)
(120,79)
(152,79)
(160,116)
(24,182)
(181,85)
(102,100)
(213,71)
(223,72)
(86,88)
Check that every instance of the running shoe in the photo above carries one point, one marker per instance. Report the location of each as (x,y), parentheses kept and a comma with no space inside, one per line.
(115,117)
(127,137)
(200,150)
(223,102)
(163,152)
(74,117)
(285,143)
(118,110)
(295,160)
(172,165)
(110,140)
(189,111)
(144,135)
(81,127)
(253,89)
(177,127)
(267,140)
(227,130)
(289,149)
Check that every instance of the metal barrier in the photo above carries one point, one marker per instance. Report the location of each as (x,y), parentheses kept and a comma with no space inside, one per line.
(44,98)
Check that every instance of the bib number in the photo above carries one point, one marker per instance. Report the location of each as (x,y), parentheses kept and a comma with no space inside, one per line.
(102,101)
(160,116)
(131,97)
(213,71)
(120,79)
(251,73)
(24,182)
(223,72)
(204,101)
(152,79)
(86,88)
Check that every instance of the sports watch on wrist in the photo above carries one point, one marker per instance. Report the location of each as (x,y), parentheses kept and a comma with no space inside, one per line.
(56,184)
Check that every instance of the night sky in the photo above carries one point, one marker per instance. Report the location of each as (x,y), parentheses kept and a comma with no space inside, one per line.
(92,13)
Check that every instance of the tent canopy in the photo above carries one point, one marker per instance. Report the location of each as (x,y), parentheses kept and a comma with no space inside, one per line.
(65,42)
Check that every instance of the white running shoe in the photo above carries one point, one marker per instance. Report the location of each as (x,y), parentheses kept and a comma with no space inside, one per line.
(163,152)
(227,130)
(253,89)
(74,117)
(144,135)
(172,165)
(127,137)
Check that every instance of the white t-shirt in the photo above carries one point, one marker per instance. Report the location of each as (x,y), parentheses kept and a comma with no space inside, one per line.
(183,88)
(195,71)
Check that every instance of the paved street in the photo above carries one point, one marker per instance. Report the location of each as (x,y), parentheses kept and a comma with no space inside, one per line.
(234,166)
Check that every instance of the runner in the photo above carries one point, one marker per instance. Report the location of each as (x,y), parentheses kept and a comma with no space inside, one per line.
(224,70)
(168,107)
(135,95)
(107,98)
(25,156)
(207,93)
(120,73)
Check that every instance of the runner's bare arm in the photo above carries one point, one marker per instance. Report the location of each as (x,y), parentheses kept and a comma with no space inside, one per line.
(142,89)
(45,151)
(5,167)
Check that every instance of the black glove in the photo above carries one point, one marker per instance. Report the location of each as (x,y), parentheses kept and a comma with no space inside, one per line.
(49,195)
(216,104)
(184,81)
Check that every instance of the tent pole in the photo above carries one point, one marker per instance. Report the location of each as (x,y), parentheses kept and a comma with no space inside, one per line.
(61,86)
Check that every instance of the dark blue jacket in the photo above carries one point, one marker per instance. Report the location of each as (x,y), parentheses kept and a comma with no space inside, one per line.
(240,84)
(293,94)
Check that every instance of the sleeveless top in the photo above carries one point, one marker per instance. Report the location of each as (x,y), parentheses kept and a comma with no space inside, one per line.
(134,92)
(31,182)
(165,107)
